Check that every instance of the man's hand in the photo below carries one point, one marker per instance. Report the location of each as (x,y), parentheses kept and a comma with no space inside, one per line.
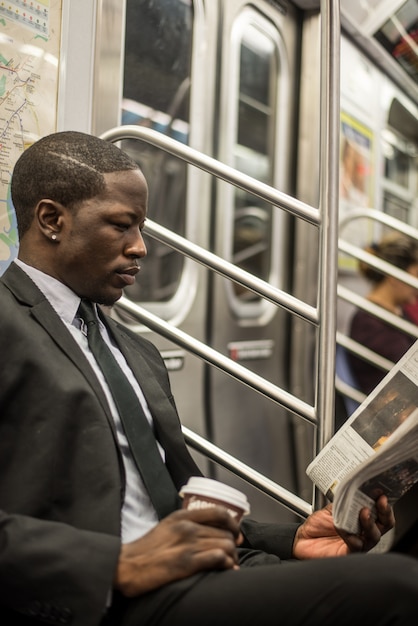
(182,544)
(317,537)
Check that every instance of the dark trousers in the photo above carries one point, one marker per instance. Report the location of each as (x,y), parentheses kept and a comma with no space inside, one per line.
(378,589)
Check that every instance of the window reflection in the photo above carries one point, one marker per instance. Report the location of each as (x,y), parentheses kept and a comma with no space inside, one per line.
(156,94)
(253,153)
(397,166)
(400,180)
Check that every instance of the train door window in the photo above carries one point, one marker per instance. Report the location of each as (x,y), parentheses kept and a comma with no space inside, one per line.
(255,89)
(400,155)
(156,94)
(398,35)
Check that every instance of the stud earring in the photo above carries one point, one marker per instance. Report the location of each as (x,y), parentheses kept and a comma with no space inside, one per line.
(54,237)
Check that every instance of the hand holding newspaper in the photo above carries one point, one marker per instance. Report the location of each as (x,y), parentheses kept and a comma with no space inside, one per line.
(376,451)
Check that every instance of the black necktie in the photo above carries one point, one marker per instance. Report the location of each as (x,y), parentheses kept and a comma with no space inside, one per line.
(142,441)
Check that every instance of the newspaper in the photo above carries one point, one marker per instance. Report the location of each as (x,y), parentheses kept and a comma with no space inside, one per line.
(376,450)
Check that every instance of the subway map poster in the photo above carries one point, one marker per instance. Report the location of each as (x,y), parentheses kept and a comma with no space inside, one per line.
(30,32)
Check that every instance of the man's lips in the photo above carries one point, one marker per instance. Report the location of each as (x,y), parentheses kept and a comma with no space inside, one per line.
(128,274)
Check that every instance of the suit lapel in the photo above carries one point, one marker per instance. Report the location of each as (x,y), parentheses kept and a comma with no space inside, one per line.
(25,290)
(166,419)
(155,395)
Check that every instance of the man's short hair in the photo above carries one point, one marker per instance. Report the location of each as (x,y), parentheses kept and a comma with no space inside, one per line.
(67,167)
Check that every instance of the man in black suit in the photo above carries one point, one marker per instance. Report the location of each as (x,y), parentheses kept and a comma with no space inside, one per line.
(80,540)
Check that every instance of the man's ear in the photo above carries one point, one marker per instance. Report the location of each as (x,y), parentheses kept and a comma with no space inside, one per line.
(49,216)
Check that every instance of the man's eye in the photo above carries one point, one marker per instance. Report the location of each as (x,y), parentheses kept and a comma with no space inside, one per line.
(121,226)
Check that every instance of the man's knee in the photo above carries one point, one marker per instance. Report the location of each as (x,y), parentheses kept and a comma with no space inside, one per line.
(392,585)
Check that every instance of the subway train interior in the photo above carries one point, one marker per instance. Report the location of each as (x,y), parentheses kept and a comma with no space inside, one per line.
(278,139)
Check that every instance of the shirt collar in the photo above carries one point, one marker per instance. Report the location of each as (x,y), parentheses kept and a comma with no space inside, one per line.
(62,299)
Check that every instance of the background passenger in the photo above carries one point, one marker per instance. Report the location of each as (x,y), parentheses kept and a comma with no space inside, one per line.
(391,294)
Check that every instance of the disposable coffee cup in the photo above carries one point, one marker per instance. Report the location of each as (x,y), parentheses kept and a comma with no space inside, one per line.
(203,493)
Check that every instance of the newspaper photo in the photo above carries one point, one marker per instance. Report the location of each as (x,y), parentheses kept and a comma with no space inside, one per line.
(376,450)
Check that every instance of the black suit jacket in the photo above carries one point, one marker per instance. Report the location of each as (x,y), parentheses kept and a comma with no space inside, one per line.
(61,473)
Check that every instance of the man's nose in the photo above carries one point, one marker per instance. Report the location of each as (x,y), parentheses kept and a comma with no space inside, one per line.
(137,246)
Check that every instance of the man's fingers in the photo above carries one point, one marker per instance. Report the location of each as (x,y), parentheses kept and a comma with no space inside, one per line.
(213,517)
(385,514)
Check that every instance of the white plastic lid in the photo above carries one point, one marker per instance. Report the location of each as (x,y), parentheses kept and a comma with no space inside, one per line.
(214,489)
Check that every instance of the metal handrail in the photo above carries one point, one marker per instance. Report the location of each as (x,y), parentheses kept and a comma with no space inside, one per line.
(282,495)
(210,260)
(217,168)
(374,261)
(325,218)
(390,318)
(328,203)
(217,359)
(229,270)
(378,216)
(245,376)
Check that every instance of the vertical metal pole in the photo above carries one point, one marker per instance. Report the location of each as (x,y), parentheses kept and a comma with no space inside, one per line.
(328,205)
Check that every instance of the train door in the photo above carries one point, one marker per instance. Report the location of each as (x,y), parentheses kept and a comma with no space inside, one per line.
(222,77)
(254,122)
